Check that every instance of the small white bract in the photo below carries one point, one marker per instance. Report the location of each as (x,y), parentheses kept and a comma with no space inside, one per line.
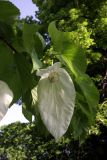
(56,99)
(6,97)
(50,70)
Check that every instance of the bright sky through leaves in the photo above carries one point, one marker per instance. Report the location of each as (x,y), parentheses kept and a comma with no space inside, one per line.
(14,114)
(27,8)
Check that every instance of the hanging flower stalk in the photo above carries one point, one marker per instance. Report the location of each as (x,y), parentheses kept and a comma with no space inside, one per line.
(56,99)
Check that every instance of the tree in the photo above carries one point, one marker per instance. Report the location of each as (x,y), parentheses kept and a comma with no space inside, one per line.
(23,52)
(87,22)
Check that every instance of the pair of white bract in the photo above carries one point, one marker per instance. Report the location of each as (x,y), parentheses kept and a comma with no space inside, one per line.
(56,99)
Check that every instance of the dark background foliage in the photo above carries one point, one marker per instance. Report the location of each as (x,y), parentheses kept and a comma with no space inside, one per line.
(22,141)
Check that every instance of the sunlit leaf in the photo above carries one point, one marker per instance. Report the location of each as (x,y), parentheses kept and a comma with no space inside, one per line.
(67,50)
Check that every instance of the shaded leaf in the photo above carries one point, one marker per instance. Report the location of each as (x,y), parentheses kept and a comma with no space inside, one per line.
(28,36)
(8,70)
(24,68)
(26,113)
(8,12)
(33,44)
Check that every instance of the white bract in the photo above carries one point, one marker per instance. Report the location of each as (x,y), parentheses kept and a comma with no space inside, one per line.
(6,97)
(56,99)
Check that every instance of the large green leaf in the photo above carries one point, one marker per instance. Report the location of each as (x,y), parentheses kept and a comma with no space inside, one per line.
(28,36)
(33,44)
(79,124)
(87,103)
(8,70)
(24,67)
(83,117)
(66,49)
(89,91)
(6,32)
(39,44)
(8,11)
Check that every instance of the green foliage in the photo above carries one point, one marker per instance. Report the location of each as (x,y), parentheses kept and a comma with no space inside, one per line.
(102,113)
(86,104)
(9,69)
(23,51)
(86,20)
(100,27)
(8,11)
(22,141)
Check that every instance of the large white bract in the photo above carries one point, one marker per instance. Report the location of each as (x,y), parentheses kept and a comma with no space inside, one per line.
(56,99)
(6,97)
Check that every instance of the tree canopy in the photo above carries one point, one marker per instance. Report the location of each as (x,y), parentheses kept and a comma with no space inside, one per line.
(68,32)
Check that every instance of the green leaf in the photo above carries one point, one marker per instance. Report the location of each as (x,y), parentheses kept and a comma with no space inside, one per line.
(79,124)
(82,104)
(27,108)
(24,67)
(6,32)
(27,114)
(83,117)
(29,105)
(36,62)
(8,12)
(33,44)
(32,39)
(67,51)
(8,70)
(56,99)
(87,104)
(28,36)
(39,44)
(90,92)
